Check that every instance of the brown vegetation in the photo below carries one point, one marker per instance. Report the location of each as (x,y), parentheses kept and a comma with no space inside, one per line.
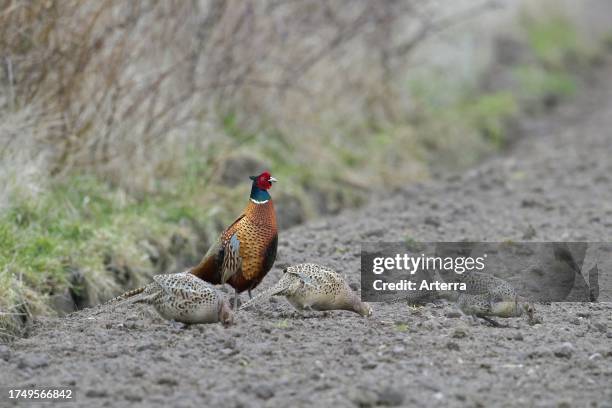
(124,89)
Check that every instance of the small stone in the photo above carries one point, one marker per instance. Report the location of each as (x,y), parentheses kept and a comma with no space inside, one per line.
(459,333)
(452,346)
(595,357)
(132,325)
(539,352)
(564,350)
(169,381)
(133,397)
(148,346)
(460,397)
(518,336)
(138,373)
(369,366)
(433,221)
(390,397)
(398,350)
(576,321)
(264,392)
(96,393)
(316,376)
(351,351)
(453,314)
(324,386)
(528,203)
(584,314)
(363,397)
(229,352)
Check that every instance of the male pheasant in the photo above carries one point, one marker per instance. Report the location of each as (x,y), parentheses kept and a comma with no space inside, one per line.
(315,287)
(246,250)
(181,297)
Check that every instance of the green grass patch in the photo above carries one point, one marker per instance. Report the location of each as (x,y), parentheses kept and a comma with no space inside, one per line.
(283,324)
(487,113)
(401,327)
(464,124)
(536,82)
(552,39)
(83,224)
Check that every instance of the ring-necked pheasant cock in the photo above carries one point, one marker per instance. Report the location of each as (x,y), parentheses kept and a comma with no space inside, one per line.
(246,250)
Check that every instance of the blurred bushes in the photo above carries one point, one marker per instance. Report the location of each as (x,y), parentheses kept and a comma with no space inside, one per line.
(116,88)
(553,39)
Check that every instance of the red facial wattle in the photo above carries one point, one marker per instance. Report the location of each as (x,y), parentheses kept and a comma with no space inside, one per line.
(263,181)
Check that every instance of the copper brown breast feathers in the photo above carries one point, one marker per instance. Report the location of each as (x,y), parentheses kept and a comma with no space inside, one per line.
(246,250)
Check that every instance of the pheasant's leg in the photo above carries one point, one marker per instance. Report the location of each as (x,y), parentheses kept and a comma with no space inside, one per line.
(310,312)
(250,296)
(532,320)
(235,299)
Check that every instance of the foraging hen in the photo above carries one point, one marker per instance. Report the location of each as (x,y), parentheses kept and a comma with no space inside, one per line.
(181,297)
(487,296)
(312,286)
(246,250)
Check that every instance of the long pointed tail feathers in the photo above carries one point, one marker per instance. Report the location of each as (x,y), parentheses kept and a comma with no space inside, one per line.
(130,296)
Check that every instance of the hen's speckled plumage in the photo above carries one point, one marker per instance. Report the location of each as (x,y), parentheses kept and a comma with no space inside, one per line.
(312,286)
(182,297)
(488,296)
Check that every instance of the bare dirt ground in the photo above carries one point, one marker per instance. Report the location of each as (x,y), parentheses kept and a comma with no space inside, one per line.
(553,185)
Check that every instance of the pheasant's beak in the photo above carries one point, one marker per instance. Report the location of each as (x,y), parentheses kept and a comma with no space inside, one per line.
(272,180)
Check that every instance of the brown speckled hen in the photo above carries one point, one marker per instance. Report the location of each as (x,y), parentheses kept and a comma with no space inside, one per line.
(246,250)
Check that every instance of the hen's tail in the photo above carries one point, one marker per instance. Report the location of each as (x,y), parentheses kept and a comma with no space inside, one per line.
(130,296)
(127,295)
